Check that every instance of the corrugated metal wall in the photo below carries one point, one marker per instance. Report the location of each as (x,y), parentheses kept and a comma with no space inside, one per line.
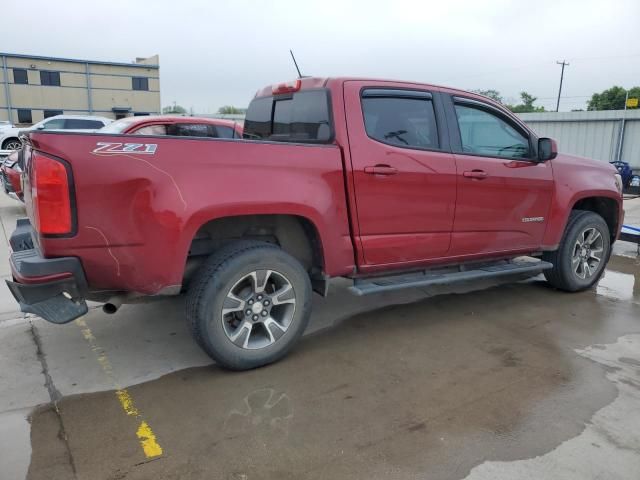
(591,134)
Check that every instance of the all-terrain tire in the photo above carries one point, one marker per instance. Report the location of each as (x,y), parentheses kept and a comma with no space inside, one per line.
(563,275)
(216,280)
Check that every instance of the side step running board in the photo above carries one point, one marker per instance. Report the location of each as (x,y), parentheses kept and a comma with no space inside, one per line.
(446,276)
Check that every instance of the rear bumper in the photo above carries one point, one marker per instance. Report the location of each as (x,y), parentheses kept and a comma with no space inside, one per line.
(52,288)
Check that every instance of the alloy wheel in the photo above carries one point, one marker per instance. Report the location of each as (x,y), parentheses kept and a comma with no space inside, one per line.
(587,253)
(13,145)
(258,309)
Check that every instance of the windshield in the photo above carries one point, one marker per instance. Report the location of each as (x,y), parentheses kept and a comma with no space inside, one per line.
(118,126)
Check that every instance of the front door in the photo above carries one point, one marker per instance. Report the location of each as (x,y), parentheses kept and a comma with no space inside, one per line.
(504,193)
(403,176)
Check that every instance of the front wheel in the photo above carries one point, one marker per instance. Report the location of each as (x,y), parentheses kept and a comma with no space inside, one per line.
(249,304)
(583,253)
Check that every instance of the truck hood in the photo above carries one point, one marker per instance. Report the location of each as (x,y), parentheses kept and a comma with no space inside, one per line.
(575,161)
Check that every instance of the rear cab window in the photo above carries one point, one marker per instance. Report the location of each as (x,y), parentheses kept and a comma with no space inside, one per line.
(301,117)
(402,118)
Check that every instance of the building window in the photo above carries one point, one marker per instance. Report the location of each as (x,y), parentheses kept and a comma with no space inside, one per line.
(20,76)
(24,116)
(140,83)
(52,113)
(49,78)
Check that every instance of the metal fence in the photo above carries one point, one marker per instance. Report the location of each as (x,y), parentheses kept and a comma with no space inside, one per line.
(604,135)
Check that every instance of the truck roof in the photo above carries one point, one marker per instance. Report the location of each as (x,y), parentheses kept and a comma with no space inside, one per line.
(307,83)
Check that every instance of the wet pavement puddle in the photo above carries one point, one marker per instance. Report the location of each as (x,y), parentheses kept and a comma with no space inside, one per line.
(609,446)
(447,387)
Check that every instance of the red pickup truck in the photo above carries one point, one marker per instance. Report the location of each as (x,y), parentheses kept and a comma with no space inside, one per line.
(391,184)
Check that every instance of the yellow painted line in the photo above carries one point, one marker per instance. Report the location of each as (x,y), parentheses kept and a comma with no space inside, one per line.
(148,440)
(146,437)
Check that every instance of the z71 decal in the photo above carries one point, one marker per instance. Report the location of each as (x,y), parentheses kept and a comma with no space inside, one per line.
(120,148)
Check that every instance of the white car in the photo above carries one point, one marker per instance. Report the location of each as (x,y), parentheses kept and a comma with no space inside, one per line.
(5,126)
(10,137)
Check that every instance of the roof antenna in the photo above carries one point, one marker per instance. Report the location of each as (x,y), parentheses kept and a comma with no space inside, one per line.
(295,63)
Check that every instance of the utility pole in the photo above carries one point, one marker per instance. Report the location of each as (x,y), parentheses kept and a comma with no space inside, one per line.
(621,136)
(564,64)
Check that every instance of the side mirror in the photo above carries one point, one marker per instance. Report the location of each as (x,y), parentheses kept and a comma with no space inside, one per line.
(40,127)
(547,149)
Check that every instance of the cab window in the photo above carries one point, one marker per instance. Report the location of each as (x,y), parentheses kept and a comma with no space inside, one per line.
(189,130)
(152,130)
(400,118)
(485,133)
(54,124)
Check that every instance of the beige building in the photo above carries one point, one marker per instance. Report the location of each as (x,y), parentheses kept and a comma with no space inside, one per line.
(33,88)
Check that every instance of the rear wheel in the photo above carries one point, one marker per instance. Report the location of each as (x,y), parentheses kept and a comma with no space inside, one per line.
(249,304)
(583,253)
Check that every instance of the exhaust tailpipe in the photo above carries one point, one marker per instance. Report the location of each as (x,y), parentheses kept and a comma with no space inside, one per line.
(112,305)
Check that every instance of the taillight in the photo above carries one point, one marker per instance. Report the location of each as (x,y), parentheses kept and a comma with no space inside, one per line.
(287,87)
(51,200)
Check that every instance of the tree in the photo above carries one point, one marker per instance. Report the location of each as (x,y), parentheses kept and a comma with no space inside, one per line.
(527,104)
(229,109)
(612,98)
(175,109)
(492,94)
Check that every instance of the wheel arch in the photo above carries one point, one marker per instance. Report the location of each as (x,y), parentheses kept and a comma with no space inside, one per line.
(6,140)
(297,235)
(608,208)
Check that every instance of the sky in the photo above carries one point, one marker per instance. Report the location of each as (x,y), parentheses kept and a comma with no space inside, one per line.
(215,53)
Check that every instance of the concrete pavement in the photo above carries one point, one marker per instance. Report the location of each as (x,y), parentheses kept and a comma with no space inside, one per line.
(510,380)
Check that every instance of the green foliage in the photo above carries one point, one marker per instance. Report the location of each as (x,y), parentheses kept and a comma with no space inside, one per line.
(612,98)
(492,94)
(527,104)
(176,109)
(229,109)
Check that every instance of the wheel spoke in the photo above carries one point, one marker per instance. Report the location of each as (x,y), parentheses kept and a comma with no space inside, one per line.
(579,268)
(241,335)
(284,295)
(251,316)
(593,236)
(260,279)
(232,303)
(586,268)
(274,329)
(596,254)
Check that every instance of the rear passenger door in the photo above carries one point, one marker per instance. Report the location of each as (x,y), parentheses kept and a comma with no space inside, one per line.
(404,176)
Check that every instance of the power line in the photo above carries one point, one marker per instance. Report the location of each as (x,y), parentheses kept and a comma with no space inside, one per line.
(529,66)
(563,63)
(607,57)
